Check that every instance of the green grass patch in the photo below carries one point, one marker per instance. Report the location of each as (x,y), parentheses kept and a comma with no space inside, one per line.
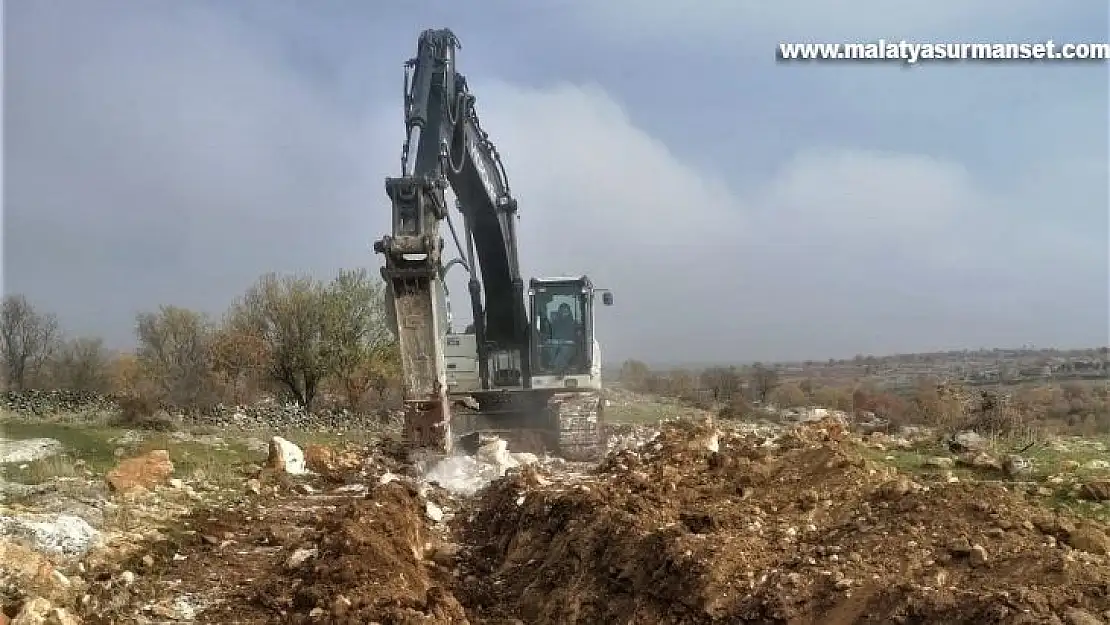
(47,469)
(222,460)
(1067,455)
(644,412)
(1049,459)
(92,444)
(1072,451)
(912,462)
(303,438)
(97,447)
(221,464)
(1064,501)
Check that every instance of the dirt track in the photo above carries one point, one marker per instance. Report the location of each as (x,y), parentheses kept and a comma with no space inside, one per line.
(804,531)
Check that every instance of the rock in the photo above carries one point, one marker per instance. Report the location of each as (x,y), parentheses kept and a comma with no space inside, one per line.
(40,611)
(1096,490)
(1089,539)
(142,472)
(897,488)
(444,554)
(525,458)
(967,442)
(323,459)
(1079,616)
(979,460)
(940,462)
(62,534)
(286,456)
(28,450)
(254,486)
(1016,466)
(960,547)
(978,556)
(712,442)
(434,512)
(496,453)
(31,570)
(299,557)
(179,610)
(1097,465)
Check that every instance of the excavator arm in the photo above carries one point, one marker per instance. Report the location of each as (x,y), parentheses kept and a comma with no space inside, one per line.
(443,129)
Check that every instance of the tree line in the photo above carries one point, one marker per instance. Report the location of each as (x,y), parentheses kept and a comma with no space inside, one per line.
(746,391)
(295,336)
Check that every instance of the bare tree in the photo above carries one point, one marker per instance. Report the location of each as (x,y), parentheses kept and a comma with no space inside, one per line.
(173,353)
(357,335)
(287,319)
(27,338)
(763,381)
(299,333)
(237,360)
(831,397)
(680,383)
(723,381)
(82,364)
(788,396)
(634,375)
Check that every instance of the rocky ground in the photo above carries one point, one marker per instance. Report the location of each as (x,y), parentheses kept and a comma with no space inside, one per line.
(689,521)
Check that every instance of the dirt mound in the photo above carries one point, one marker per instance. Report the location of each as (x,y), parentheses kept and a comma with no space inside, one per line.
(696,526)
(368,566)
(706,527)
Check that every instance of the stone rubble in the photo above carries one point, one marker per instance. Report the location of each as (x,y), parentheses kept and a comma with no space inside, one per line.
(62,534)
(82,407)
(28,450)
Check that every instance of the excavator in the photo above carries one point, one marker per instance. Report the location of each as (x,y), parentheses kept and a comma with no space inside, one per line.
(526,373)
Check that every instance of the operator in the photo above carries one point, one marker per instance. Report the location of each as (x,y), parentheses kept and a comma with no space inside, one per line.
(564,337)
(563,325)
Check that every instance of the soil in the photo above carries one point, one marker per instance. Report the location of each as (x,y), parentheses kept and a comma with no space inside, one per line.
(695,527)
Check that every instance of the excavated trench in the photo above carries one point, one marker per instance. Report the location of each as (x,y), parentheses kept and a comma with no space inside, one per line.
(695,527)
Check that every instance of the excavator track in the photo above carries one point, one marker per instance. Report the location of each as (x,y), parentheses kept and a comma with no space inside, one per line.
(571,427)
(579,419)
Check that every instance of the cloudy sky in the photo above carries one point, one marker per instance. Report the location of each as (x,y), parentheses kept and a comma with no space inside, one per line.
(170,152)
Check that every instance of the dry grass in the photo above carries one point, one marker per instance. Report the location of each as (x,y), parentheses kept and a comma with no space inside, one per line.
(46,469)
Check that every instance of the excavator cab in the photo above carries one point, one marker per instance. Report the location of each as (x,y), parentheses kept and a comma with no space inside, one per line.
(563,350)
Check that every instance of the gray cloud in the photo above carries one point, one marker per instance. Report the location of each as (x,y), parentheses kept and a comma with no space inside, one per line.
(729,22)
(171,153)
(157,157)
